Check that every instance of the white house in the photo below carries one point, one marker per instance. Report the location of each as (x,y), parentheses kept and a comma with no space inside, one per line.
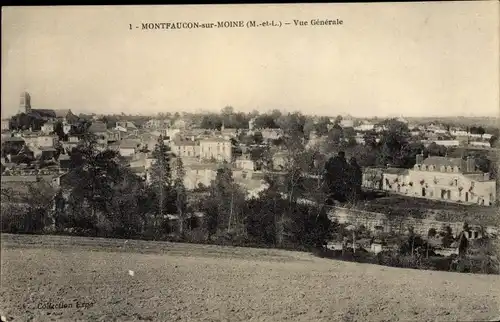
(128,147)
(442,178)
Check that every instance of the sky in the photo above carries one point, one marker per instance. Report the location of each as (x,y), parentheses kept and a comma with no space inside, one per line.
(386,59)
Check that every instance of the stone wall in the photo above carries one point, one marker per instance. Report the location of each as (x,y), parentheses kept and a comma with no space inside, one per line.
(396,224)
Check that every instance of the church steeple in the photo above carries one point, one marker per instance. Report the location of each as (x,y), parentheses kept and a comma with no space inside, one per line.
(25,103)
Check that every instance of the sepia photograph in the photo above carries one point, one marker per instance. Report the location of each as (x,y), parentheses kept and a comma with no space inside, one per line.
(251,162)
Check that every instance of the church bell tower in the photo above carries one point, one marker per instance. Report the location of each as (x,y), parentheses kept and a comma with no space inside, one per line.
(25,103)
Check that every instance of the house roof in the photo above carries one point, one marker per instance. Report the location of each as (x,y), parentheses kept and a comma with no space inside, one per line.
(396,171)
(442,161)
(62,112)
(97,127)
(129,144)
(48,149)
(139,169)
(44,112)
(185,143)
(14,139)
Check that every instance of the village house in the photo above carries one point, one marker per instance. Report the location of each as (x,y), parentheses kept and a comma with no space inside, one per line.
(228,133)
(35,141)
(447,143)
(347,121)
(71,143)
(5,125)
(128,147)
(126,127)
(113,136)
(179,124)
(215,148)
(185,148)
(442,178)
(200,174)
(458,132)
(48,127)
(271,134)
(480,144)
(99,129)
(157,124)
(365,127)
(251,124)
(244,162)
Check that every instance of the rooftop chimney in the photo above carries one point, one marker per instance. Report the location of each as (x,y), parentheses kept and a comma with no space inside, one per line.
(420,158)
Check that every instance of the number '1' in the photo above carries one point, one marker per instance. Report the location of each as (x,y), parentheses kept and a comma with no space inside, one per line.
(130,25)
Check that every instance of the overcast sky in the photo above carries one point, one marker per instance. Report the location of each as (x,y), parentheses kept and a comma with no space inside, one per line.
(412,59)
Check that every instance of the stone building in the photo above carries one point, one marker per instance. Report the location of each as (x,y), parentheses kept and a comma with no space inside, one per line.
(443,178)
(216,148)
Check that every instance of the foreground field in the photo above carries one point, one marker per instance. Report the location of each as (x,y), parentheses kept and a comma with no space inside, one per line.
(48,278)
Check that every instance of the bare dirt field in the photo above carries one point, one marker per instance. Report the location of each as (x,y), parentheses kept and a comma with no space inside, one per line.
(49,278)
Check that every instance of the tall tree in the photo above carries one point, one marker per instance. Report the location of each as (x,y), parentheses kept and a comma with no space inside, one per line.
(336,177)
(93,175)
(161,177)
(394,143)
(180,193)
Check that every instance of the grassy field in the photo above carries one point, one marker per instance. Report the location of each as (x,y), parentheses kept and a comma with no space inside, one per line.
(89,279)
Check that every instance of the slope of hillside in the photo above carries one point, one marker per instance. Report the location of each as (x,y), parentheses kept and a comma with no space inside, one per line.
(47,278)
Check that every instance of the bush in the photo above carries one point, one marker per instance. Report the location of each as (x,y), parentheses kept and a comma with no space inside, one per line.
(24,221)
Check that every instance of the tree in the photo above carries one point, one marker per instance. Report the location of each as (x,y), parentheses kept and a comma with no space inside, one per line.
(258,138)
(228,110)
(436,150)
(226,198)
(24,121)
(338,120)
(336,177)
(322,126)
(335,139)
(80,127)
(59,131)
(180,193)
(211,121)
(161,178)
(126,213)
(309,126)
(348,138)
(92,177)
(493,141)
(292,124)
(370,139)
(394,143)
(354,180)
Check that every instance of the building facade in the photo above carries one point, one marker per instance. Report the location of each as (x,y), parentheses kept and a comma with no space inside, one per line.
(442,178)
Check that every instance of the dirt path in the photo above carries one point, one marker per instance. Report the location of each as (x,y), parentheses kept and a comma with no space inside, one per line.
(183,282)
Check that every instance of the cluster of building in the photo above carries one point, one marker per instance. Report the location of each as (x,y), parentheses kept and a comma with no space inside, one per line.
(203,151)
